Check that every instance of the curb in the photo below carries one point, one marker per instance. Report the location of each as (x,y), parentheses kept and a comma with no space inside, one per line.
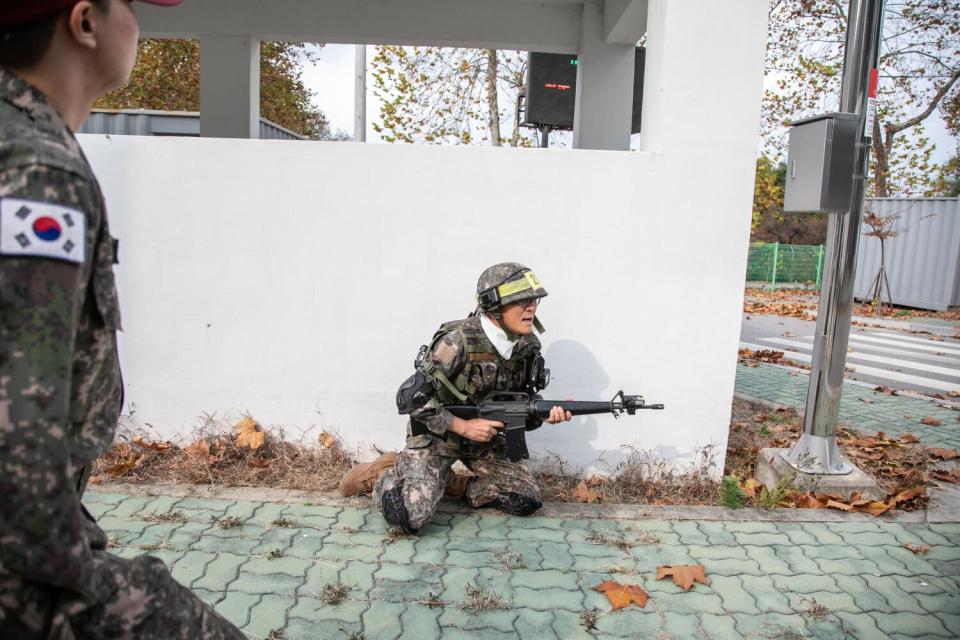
(549,510)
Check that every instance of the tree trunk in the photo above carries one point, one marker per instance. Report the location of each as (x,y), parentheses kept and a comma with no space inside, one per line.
(493,109)
(881,163)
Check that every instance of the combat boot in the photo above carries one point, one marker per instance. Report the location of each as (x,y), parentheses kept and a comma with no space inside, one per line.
(362,477)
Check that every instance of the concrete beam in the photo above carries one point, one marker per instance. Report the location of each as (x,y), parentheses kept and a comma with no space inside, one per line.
(624,21)
(604,101)
(551,26)
(229,86)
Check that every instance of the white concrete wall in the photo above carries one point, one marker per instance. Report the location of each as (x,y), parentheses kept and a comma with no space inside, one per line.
(296,280)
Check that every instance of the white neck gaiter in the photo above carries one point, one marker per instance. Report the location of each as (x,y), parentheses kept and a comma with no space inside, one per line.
(498,337)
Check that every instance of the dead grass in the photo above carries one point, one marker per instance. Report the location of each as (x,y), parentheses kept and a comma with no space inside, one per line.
(643,478)
(171,517)
(333,594)
(783,301)
(589,618)
(228,523)
(481,599)
(215,455)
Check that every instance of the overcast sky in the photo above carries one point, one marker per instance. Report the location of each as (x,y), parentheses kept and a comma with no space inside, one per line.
(331,79)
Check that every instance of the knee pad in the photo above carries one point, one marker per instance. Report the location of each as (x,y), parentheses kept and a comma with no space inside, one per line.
(516,504)
(394,511)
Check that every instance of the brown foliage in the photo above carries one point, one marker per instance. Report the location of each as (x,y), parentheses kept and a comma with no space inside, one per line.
(623,595)
(684,575)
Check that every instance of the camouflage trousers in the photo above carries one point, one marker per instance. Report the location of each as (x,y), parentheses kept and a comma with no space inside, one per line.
(422,473)
(142,601)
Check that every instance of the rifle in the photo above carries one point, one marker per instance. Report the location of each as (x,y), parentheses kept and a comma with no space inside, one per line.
(513,409)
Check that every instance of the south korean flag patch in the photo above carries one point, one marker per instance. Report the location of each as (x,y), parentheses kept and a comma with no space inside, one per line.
(42,230)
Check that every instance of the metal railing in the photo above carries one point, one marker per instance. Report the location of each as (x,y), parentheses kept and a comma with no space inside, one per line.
(773,263)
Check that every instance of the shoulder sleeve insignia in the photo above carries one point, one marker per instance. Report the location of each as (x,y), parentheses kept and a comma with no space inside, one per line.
(42,230)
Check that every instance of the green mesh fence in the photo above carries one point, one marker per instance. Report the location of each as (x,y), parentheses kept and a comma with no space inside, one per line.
(785,264)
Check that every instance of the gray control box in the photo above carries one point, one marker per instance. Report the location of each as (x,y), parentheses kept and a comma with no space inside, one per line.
(820,163)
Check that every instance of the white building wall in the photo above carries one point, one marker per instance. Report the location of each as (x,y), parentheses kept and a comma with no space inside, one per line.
(296,280)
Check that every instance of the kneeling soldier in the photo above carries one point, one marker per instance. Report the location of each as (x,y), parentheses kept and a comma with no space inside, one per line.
(494,349)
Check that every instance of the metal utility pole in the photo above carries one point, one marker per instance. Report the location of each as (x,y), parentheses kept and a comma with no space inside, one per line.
(816,451)
(360,94)
(544,136)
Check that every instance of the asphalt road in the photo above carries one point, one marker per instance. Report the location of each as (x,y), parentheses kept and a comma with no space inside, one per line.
(900,360)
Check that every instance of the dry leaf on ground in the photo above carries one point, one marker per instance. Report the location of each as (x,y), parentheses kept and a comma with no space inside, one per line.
(156,446)
(953,394)
(583,493)
(249,433)
(327,440)
(943,454)
(684,575)
(930,421)
(622,595)
(908,437)
(952,476)
(198,448)
(918,549)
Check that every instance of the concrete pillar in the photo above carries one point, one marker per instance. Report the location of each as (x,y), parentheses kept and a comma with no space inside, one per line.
(604,101)
(229,86)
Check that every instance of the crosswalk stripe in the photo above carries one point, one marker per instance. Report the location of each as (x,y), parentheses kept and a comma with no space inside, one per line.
(869,357)
(897,343)
(903,338)
(931,383)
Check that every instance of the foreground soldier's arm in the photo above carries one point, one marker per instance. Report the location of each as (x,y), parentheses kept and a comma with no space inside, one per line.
(44,534)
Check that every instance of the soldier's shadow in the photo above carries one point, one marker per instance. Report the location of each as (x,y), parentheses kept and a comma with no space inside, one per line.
(578,375)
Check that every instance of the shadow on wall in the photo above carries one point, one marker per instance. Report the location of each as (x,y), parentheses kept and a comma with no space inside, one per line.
(576,373)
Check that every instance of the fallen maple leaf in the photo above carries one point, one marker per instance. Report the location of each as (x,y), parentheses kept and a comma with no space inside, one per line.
(622,595)
(145,444)
(952,476)
(750,486)
(684,575)
(120,468)
(918,549)
(930,420)
(836,504)
(905,496)
(198,448)
(585,494)
(908,437)
(943,454)
(327,440)
(810,501)
(249,433)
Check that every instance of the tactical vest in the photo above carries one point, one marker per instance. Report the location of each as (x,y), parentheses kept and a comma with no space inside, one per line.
(484,370)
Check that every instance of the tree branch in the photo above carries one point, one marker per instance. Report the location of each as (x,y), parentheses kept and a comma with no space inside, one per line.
(917,119)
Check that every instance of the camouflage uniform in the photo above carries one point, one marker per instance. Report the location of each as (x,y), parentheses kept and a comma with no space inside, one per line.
(60,395)
(465,356)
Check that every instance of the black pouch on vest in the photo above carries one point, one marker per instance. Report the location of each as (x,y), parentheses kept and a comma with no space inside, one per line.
(407,399)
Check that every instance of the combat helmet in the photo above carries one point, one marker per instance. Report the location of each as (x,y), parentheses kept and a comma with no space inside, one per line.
(505,283)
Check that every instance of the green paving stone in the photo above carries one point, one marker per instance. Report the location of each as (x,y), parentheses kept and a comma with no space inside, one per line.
(306,543)
(871,539)
(529,553)
(733,594)
(475,559)
(649,558)
(761,539)
(269,614)
(158,533)
(566,626)
(353,552)
(630,623)
(430,550)
(768,560)
(400,551)
(551,579)
(678,626)
(717,534)
(822,534)
(912,625)
(314,609)
(500,620)
(751,527)
(419,622)
(896,599)
(548,599)
(350,518)
(320,574)
(940,602)
(243,509)
(860,625)
(359,575)
(673,598)
(719,552)
(555,555)
(535,522)
(846,567)
(796,560)
(167,556)
(886,564)
(188,534)
(915,564)
(455,581)
(103,497)
(236,607)
(272,583)
(480,544)
(380,621)
(832,552)
(402,572)
(359,538)
(595,550)
(285,565)
(598,565)
(191,566)
(828,627)
(951,621)
(266,513)
(98,509)
(233,544)
(298,511)
(942,553)
(804,583)
(327,629)
(720,627)
(551,535)
(159,505)
(727,567)
(833,601)
(772,625)
(220,572)
(765,594)
(462,526)
(690,533)
(415,591)
(130,505)
(210,597)
(535,625)
(128,553)
(123,524)
(204,504)
(865,598)
(494,531)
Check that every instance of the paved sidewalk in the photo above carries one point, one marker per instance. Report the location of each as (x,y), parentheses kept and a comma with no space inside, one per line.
(810,579)
(860,406)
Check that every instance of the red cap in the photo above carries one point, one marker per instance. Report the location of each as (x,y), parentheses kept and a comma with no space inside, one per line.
(14,12)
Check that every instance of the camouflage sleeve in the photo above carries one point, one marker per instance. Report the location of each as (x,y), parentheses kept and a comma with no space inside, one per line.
(43,533)
(448,356)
